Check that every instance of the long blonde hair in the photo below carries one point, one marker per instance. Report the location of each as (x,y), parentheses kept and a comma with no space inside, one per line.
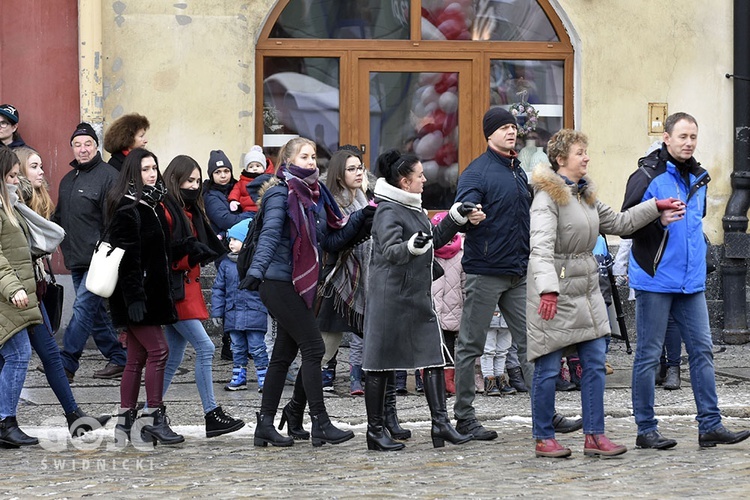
(8,160)
(40,201)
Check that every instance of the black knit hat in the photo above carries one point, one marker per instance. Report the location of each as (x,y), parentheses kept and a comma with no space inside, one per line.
(10,112)
(84,128)
(217,159)
(496,118)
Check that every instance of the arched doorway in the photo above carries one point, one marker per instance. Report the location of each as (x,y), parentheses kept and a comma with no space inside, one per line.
(373,74)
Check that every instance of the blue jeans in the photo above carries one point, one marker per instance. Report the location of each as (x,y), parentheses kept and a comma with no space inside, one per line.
(672,351)
(546,370)
(178,335)
(14,362)
(250,342)
(89,318)
(690,314)
(44,344)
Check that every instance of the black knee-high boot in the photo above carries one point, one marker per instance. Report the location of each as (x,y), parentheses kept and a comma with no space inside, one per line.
(378,437)
(391,417)
(442,430)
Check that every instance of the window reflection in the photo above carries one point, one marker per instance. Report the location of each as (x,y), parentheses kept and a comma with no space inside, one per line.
(418,112)
(507,20)
(347,19)
(540,83)
(301,97)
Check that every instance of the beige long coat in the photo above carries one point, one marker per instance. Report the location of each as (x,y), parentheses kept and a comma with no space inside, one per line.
(565,223)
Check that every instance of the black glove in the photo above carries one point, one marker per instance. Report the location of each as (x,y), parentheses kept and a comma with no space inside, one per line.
(200,253)
(369,212)
(466,208)
(422,240)
(250,283)
(136,311)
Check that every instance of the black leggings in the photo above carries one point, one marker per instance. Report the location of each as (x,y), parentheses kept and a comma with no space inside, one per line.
(297,330)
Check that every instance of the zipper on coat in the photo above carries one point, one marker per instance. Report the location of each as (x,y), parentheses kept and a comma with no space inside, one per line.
(660,250)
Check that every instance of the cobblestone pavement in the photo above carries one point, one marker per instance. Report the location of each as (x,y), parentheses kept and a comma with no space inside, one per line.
(230,466)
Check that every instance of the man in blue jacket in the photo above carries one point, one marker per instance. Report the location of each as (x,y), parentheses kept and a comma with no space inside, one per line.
(667,270)
(496,254)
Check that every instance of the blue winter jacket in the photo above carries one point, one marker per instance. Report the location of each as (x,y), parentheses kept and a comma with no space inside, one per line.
(241,309)
(669,259)
(217,208)
(273,255)
(499,245)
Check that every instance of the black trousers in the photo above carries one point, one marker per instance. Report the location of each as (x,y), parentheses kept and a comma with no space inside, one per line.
(297,331)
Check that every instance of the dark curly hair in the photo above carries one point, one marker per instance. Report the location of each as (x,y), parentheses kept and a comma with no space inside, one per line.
(121,134)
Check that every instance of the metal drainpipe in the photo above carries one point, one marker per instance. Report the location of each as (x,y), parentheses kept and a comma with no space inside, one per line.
(735,221)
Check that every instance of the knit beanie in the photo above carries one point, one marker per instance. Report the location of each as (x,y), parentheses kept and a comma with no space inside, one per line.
(84,128)
(496,118)
(239,230)
(217,159)
(255,155)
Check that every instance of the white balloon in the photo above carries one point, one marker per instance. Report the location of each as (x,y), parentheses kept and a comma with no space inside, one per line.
(431,171)
(448,102)
(449,176)
(430,31)
(428,145)
(430,95)
(429,78)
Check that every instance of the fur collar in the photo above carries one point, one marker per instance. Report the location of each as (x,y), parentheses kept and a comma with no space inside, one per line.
(273,181)
(386,192)
(543,178)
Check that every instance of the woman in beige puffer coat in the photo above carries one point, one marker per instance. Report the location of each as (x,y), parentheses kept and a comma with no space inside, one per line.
(565,307)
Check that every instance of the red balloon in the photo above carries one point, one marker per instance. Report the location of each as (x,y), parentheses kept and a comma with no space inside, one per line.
(446,155)
(451,28)
(450,123)
(432,122)
(457,16)
(447,81)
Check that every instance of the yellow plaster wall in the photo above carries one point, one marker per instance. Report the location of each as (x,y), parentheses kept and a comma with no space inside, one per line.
(639,51)
(189,67)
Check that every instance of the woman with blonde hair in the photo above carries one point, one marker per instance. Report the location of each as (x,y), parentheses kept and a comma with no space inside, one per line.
(19,305)
(36,195)
(33,191)
(301,220)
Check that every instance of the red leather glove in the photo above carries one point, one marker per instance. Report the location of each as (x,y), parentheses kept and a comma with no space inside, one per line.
(669,203)
(547,306)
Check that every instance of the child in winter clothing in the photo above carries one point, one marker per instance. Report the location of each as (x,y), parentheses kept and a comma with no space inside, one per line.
(493,360)
(448,297)
(244,193)
(245,316)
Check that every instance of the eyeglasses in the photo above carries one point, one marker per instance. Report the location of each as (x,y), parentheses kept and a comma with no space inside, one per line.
(358,168)
(4,124)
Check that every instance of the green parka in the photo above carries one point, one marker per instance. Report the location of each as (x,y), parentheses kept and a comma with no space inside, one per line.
(16,272)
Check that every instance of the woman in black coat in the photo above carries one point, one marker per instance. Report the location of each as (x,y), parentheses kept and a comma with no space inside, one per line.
(142,301)
(405,334)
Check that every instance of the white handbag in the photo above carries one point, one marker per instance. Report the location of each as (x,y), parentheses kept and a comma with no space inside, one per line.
(105,264)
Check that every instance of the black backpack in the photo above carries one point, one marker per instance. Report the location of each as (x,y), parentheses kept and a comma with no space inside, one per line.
(245,256)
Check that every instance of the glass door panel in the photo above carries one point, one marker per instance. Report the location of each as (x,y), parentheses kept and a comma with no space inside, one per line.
(419,107)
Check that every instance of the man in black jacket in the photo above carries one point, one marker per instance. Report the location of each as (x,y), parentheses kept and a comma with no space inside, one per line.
(80,211)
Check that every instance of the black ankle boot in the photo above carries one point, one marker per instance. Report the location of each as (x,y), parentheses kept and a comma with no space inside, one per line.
(159,430)
(391,418)
(13,437)
(79,423)
(218,423)
(378,436)
(442,430)
(265,433)
(125,420)
(226,347)
(323,431)
(292,415)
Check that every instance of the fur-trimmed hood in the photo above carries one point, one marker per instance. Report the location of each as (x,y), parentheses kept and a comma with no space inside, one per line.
(543,178)
(271,182)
